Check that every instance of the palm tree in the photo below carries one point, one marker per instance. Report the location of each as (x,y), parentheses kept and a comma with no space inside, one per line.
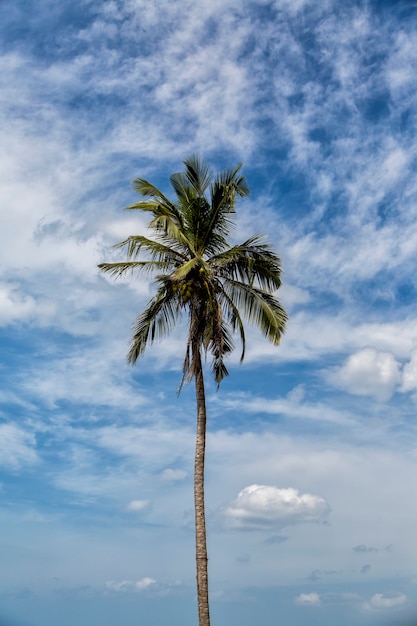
(200,274)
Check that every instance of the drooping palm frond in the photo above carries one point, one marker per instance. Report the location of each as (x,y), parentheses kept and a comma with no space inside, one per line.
(220,346)
(259,307)
(234,319)
(155,322)
(251,261)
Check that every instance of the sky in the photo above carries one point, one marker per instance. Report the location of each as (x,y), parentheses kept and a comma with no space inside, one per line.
(311,474)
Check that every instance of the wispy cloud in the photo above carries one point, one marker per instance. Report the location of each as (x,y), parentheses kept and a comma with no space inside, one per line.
(17,447)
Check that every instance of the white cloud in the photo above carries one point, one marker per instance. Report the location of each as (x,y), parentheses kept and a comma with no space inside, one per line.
(400,66)
(173,475)
(121,585)
(291,406)
(96,376)
(14,305)
(409,382)
(308,599)
(144,583)
(152,446)
(130,585)
(290,295)
(17,447)
(138,505)
(386,601)
(368,373)
(263,507)
(344,333)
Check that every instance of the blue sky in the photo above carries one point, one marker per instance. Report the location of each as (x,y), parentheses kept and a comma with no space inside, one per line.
(312,447)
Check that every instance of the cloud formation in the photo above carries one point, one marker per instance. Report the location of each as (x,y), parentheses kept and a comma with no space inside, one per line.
(138,505)
(131,585)
(387,601)
(368,372)
(318,99)
(17,447)
(308,599)
(262,507)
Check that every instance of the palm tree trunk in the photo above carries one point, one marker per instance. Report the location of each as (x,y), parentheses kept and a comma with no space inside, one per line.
(200,518)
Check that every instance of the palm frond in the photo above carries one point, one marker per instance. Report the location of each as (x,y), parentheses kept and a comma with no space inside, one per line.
(220,346)
(154,323)
(232,179)
(259,307)
(234,319)
(157,250)
(183,270)
(250,261)
(180,184)
(170,232)
(145,188)
(166,218)
(224,189)
(198,173)
(116,270)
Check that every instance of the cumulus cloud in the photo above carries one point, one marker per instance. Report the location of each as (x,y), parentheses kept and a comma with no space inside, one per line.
(368,372)
(383,601)
(308,599)
(264,507)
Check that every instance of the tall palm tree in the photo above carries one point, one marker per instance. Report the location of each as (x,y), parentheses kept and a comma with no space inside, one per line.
(200,274)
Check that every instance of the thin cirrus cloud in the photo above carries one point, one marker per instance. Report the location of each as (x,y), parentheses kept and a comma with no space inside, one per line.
(17,447)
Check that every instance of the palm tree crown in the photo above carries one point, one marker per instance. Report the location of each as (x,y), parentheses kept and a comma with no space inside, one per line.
(197,271)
